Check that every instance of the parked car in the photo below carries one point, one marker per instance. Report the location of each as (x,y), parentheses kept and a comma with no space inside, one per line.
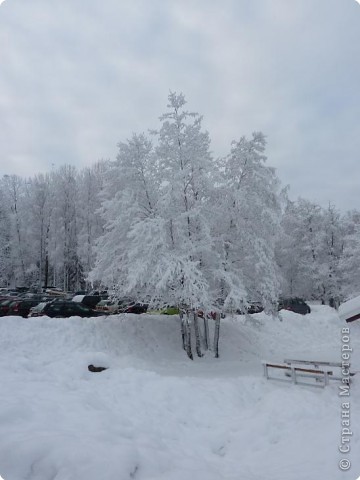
(64,309)
(136,308)
(21,307)
(127,305)
(296,305)
(102,293)
(80,292)
(5,305)
(4,297)
(89,300)
(107,307)
(255,307)
(37,310)
(252,307)
(54,292)
(21,289)
(168,310)
(5,291)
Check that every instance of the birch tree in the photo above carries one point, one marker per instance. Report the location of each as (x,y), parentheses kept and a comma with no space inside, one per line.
(13,188)
(6,272)
(349,263)
(330,280)
(130,196)
(300,249)
(247,225)
(68,269)
(183,230)
(90,224)
(41,206)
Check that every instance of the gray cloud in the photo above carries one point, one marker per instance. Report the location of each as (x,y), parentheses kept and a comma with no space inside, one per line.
(77,77)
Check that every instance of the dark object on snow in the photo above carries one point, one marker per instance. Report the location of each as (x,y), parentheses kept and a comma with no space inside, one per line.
(296,305)
(90,300)
(91,368)
(130,306)
(21,307)
(65,309)
(255,307)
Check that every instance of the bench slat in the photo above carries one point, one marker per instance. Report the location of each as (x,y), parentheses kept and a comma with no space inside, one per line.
(310,362)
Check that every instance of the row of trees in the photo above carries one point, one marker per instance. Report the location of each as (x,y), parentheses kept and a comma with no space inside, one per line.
(48,227)
(166,221)
(318,252)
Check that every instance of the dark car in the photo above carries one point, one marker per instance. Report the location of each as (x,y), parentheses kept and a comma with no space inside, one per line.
(255,307)
(5,305)
(102,293)
(252,307)
(88,300)
(64,309)
(21,289)
(130,306)
(21,307)
(296,305)
(80,292)
(136,308)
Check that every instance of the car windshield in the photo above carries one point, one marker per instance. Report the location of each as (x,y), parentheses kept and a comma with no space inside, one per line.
(39,306)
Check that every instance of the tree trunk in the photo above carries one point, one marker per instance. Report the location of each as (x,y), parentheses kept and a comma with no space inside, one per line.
(197,335)
(188,336)
(217,334)
(206,332)
(46,273)
(183,329)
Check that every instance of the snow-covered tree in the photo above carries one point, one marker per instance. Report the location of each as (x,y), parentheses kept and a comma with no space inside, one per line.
(330,275)
(300,248)
(14,193)
(349,263)
(184,230)
(247,224)
(130,196)
(41,207)
(90,184)
(170,256)
(157,242)
(310,252)
(67,268)
(6,272)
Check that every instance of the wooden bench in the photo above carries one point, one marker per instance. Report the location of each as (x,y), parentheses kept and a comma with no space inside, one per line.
(293,371)
(315,363)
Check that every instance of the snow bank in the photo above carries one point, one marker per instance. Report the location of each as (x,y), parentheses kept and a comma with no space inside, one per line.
(153,414)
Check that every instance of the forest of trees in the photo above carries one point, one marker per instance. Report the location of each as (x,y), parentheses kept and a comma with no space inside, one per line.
(168,222)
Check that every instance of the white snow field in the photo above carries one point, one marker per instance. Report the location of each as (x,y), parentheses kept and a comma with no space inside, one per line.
(154,414)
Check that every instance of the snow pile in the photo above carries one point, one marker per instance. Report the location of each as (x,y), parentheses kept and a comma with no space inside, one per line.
(154,414)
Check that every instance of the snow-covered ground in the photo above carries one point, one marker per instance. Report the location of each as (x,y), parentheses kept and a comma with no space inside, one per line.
(154,414)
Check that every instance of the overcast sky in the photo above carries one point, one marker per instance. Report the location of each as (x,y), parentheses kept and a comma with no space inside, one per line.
(77,77)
